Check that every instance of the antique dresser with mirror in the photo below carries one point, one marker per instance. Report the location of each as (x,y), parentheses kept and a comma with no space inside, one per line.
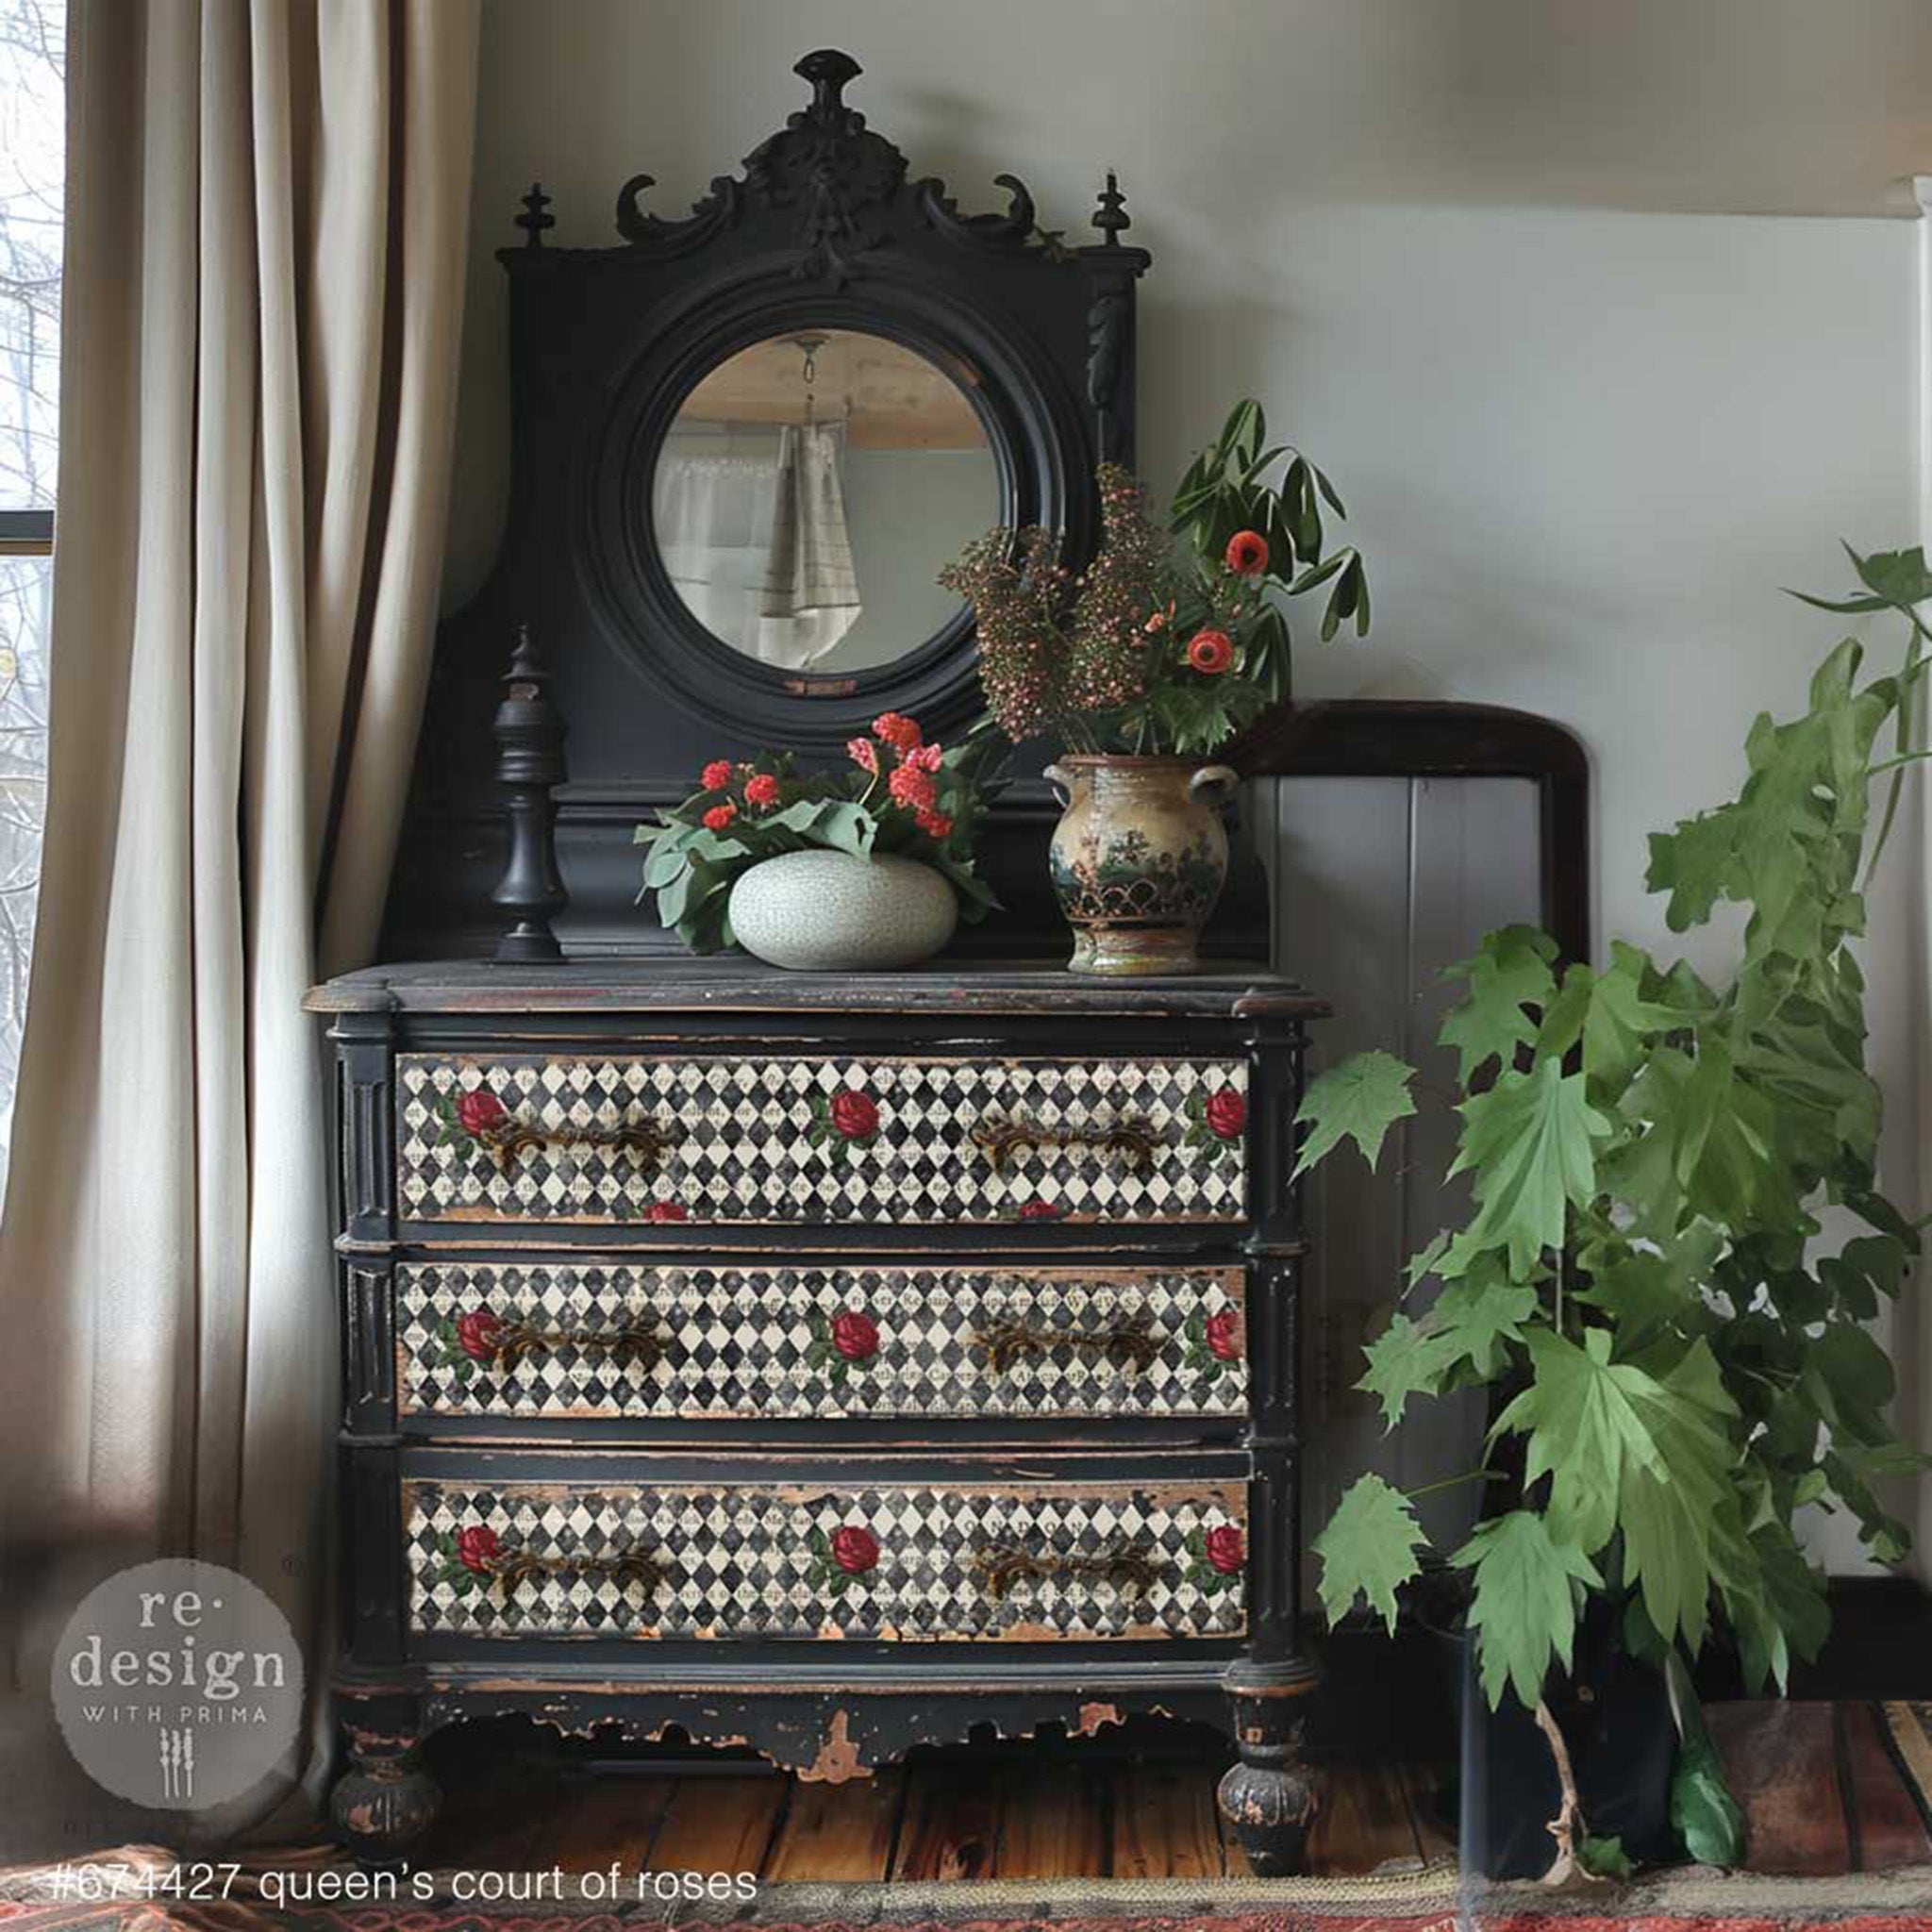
(664,1410)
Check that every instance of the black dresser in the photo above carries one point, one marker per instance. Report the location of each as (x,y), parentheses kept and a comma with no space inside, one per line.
(827,1364)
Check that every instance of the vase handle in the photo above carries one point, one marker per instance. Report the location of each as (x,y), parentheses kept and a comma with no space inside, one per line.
(1215,783)
(1062,784)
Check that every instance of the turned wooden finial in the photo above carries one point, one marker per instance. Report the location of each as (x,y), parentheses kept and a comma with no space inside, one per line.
(535,217)
(1111,217)
(529,732)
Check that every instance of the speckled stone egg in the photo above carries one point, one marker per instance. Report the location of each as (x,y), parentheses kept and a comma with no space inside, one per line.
(830,912)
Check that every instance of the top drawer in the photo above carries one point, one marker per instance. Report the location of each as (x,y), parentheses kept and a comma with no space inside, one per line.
(905,1139)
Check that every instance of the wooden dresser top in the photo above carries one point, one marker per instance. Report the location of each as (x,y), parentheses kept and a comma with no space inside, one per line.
(730,983)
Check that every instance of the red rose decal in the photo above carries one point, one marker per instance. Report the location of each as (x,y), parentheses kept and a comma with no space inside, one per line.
(1224,1332)
(720,816)
(477,1548)
(856,1115)
(480,1111)
(1225,1549)
(1226,1114)
(855,1550)
(476,1333)
(856,1335)
(863,754)
(902,733)
(1041,1211)
(761,790)
(935,824)
(1210,652)
(913,787)
(667,1210)
(716,776)
(1247,553)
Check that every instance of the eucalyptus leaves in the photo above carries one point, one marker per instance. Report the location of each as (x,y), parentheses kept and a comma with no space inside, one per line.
(1647,1273)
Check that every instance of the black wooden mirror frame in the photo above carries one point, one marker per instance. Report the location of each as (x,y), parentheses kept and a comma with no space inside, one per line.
(822,226)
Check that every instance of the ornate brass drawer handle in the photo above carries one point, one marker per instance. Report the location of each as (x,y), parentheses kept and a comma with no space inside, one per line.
(512,1138)
(1131,1340)
(477,1552)
(1132,1568)
(1002,1141)
(508,1342)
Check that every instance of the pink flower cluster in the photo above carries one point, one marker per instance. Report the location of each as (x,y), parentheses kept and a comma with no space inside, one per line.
(913,780)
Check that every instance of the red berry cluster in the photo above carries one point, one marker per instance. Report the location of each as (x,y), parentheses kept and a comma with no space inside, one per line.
(760,791)
(897,748)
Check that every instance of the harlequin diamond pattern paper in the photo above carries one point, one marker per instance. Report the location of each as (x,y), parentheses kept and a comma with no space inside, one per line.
(742,1147)
(751,1563)
(762,1342)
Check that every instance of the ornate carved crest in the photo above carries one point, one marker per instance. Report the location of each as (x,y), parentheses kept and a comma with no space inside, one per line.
(843,181)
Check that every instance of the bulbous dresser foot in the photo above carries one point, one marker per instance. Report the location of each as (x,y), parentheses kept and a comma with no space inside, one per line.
(1270,1797)
(383,1804)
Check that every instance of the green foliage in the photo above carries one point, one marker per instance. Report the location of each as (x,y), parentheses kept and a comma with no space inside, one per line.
(1703,1815)
(1368,1549)
(1646,1275)
(1359,1100)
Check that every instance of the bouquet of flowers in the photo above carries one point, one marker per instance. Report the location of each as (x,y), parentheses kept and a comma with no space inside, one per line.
(1177,635)
(898,794)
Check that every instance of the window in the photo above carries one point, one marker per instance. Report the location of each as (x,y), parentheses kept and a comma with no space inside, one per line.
(33,58)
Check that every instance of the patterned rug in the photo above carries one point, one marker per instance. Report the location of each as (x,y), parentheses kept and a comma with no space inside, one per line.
(138,1888)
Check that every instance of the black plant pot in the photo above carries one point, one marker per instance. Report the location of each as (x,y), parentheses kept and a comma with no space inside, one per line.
(1615,1717)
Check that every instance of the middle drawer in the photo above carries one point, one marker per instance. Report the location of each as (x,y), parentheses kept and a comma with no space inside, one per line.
(685,1340)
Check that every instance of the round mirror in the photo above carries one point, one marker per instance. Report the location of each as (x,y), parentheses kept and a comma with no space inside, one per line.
(809,491)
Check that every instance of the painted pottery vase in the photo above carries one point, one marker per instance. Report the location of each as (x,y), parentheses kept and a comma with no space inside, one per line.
(829,912)
(1138,858)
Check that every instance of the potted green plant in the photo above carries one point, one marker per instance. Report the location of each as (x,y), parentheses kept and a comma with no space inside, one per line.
(860,869)
(1144,664)
(1647,1278)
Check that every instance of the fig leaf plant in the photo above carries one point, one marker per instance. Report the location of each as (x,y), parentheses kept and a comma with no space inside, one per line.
(1677,1237)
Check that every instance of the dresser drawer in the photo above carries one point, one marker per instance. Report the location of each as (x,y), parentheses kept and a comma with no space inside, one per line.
(785,1562)
(882,1141)
(689,1339)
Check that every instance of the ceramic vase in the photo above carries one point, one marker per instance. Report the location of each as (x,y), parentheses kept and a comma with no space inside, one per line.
(829,912)
(1139,859)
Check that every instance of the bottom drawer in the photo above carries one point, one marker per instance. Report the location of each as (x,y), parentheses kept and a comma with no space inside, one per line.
(785,1561)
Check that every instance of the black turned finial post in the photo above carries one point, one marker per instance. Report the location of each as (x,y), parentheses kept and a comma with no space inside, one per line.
(1111,217)
(530,761)
(830,72)
(535,217)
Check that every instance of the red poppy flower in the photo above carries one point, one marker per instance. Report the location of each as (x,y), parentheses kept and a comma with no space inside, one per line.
(1226,1551)
(1227,1113)
(912,787)
(667,1210)
(856,1115)
(477,1332)
(1247,553)
(720,816)
(864,753)
(1041,1211)
(1210,652)
(716,776)
(480,1111)
(1224,1336)
(477,1548)
(902,733)
(856,1335)
(855,1550)
(935,824)
(761,789)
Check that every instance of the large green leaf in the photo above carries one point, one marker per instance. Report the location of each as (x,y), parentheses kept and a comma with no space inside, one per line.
(1528,1141)
(1509,973)
(1368,1549)
(1478,1314)
(1359,1100)
(1624,1448)
(1404,1360)
(1525,1607)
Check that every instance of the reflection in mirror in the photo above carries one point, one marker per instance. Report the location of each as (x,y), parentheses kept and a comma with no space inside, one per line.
(808,492)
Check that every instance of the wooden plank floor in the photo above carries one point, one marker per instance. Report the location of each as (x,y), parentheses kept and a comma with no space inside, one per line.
(1820,1790)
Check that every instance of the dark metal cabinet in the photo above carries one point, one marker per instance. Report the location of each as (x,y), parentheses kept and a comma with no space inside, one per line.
(831,1365)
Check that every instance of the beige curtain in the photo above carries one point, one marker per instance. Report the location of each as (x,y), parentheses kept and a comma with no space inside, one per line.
(267,205)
